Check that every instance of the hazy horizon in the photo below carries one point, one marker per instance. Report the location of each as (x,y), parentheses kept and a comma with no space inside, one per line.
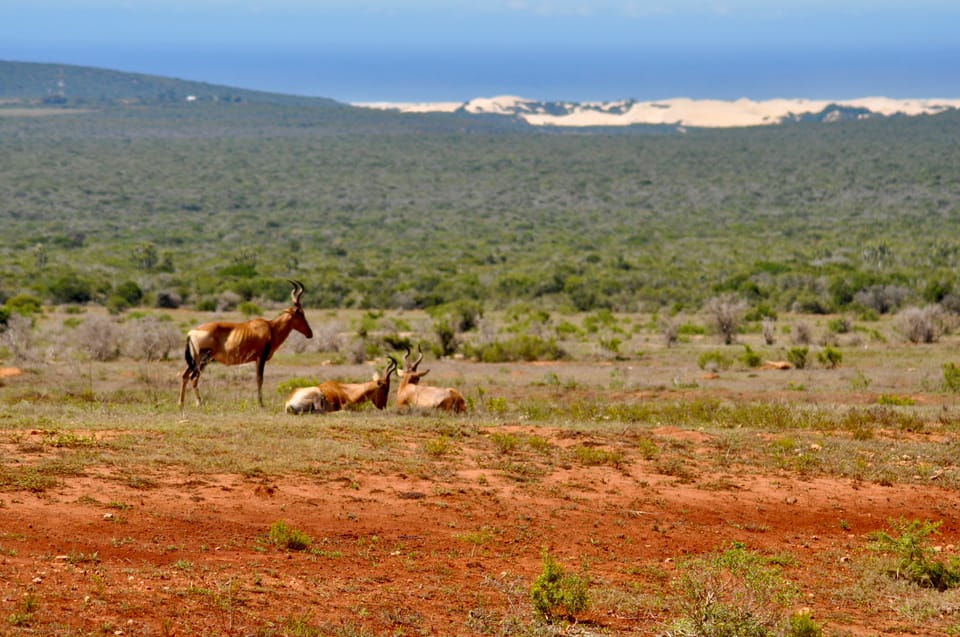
(430,50)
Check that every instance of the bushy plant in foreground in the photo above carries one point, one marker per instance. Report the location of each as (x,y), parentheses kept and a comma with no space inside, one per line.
(557,595)
(735,593)
(908,541)
(288,537)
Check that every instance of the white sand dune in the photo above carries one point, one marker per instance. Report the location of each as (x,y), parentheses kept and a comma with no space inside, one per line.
(676,111)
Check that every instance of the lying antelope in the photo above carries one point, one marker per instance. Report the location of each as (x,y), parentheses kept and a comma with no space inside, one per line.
(239,343)
(334,396)
(411,393)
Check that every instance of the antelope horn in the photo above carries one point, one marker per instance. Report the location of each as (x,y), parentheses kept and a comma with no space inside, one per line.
(419,358)
(296,292)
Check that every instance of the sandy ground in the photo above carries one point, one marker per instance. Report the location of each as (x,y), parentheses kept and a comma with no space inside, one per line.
(396,554)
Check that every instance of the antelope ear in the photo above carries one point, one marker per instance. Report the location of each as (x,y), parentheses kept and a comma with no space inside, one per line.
(376,376)
(424,373)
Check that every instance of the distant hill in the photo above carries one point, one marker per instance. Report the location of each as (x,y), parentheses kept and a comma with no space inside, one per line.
(152,106)
(68,84)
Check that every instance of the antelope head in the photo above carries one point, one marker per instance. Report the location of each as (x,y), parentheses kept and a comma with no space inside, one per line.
(298,320)
(382,392)
(409,374)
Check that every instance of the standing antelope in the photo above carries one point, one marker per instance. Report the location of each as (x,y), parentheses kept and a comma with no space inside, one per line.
(239,343)
(334,396)
(411,393)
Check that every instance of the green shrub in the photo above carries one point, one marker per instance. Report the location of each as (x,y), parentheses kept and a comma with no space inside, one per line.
(521,347)
(129,292)
(556,595)
(802,625)
(249,308)
(840,325)
(736,593)
(594,456)
(908,542)
(830,357)
(750,358)
(891,399)
(951,377)
(714,359)
(691,329)
(289,537)
(70,288)
(797,356)
(505,442)
(25,304)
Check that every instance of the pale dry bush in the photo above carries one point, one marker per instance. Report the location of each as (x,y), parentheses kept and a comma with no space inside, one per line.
(670,329)
(327,337)
(150,339)
(768,327)
(18,339)
(882,298)
(921,325)
(725,313)
(228,301)
(802,334)
(99,338)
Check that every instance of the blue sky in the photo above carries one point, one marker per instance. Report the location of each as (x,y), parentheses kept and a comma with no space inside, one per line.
(427,50)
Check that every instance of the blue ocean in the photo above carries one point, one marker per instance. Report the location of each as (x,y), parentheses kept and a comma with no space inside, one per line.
(412,75)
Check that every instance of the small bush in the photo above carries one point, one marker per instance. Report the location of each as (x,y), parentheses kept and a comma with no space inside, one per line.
(908,542)
(556,595)
(593,456)
(505,442)
(797,356)
(249,308)
(768,328)
(17,339)
(99,338)
(168,299)
(750,358)
(840,325)
(736,593)
(522,347)
(288,537)
(670,329)
(951,377)
(438,447)
(920,325)
(726,313)
(802,625)
(802,334)
(25,304)
(151,339)
(830,357)
(714,360)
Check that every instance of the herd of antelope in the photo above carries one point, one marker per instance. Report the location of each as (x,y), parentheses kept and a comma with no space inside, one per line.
(258,339)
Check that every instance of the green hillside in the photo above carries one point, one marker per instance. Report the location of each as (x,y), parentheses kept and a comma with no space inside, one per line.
(74,85)
(165,201)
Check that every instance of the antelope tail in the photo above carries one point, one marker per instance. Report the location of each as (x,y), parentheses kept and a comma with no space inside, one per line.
(188,356)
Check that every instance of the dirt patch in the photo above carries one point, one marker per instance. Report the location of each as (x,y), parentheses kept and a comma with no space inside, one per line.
(398,554)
